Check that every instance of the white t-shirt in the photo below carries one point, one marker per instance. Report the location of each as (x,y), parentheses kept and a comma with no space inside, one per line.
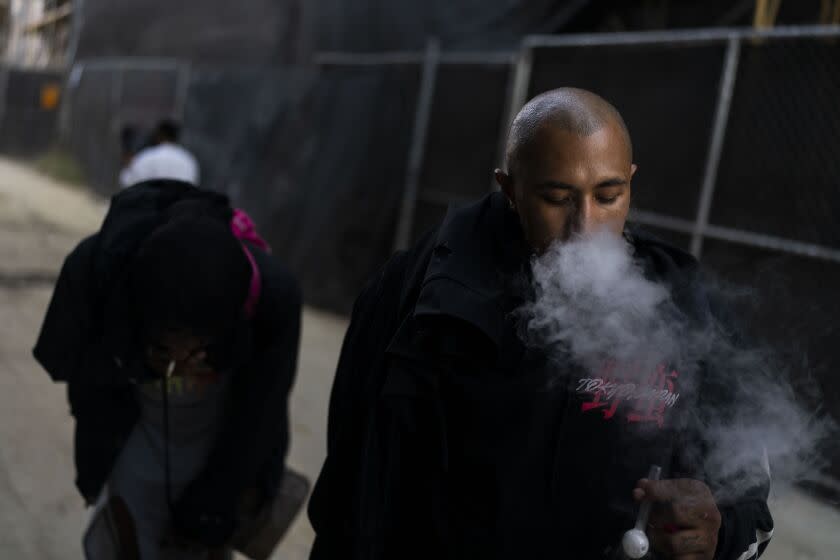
(165,161)
(196,412)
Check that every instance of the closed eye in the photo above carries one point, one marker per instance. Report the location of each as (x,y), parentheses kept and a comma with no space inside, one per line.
(607,200)
(558,201)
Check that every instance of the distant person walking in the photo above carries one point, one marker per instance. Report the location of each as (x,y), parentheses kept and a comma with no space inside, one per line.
(164,159)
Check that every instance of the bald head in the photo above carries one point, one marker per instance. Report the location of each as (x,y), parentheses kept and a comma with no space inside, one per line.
(572,110)
(569,167)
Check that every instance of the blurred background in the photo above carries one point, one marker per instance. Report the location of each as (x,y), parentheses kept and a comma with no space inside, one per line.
(347,127)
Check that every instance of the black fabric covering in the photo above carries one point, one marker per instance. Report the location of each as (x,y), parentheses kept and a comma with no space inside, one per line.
(26,128)
(315,154)
(350,182)
(791,308)
(462,141)
(218,31)
(778,174)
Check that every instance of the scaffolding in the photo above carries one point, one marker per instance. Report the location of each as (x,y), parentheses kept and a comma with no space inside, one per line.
(36,33)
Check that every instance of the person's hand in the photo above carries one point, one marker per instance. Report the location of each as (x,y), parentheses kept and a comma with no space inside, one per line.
(684,520)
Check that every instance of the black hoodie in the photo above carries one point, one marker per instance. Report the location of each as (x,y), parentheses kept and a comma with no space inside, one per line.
(88,340)
(444,439)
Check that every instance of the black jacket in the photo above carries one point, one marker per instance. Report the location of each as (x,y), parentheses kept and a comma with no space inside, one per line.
(87,341)
(444,439)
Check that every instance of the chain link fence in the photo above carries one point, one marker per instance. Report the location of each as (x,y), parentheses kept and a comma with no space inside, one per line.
(28,110)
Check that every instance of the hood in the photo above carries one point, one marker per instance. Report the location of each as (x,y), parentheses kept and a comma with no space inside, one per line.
(135,212)
(478,256)
(133,215)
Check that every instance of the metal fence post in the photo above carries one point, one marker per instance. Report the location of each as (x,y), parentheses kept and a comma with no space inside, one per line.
(182,87)
(65,115)
(116,89)
(4,88)
(517,96)
(727,86)
(518,93)
(418,143)
(78,23)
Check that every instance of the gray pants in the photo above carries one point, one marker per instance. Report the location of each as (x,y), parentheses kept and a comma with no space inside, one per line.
(113,534)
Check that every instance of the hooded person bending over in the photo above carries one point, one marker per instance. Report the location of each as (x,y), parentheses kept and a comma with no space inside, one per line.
(177,335)
(446,436)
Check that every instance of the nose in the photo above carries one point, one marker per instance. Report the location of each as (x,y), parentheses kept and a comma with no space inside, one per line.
(584,221)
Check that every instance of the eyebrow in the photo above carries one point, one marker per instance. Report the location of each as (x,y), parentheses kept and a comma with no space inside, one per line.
(612,182)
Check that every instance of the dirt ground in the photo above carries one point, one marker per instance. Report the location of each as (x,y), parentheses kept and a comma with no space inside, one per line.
(41,516)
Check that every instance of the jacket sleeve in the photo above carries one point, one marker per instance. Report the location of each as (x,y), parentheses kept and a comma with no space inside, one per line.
(745,530)
(65,345)
(746,522)
(72,345)
(257,426)
(104,415)
(334,508)
(71,349)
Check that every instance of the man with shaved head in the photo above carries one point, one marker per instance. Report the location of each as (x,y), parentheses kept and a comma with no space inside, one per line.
(446,438)
(569,165)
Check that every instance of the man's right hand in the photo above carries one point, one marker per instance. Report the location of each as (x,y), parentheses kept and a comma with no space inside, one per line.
(685,519)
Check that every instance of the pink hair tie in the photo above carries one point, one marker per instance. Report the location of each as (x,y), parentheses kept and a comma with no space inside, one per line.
(243,229)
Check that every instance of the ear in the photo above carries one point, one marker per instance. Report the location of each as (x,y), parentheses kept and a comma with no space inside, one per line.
(633,168)
(505,183)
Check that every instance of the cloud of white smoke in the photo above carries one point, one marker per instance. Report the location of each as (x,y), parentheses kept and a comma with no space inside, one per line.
(593,304)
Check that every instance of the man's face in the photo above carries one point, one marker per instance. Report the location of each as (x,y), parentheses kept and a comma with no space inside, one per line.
(566,184)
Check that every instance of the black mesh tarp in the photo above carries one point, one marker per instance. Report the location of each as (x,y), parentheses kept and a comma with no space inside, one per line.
(92,128)
(462,142)
(792,309)
(373,25)
(316,156)
(337,221)
(27,128)
(780,171)
(330,179)
(203,31)
(103,101)
(779,176)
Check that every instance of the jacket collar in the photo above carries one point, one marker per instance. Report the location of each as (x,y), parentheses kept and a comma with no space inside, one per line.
(477,259)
